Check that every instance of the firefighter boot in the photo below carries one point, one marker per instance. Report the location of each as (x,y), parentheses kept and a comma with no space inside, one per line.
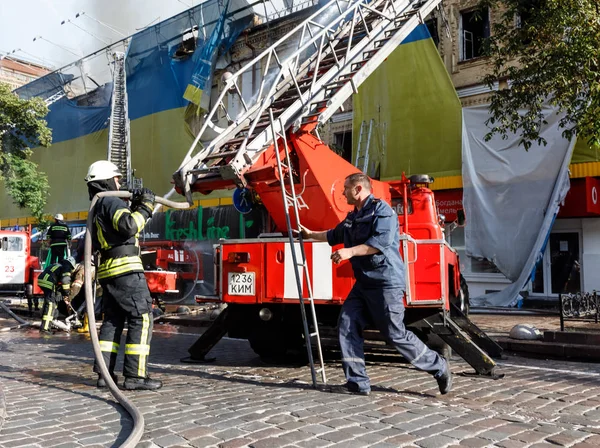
(86,325)
(141,384)
(101,383)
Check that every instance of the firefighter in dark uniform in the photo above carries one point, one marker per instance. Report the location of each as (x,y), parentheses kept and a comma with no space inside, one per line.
(121,274)
(370,235)
(55,282)
(60,238)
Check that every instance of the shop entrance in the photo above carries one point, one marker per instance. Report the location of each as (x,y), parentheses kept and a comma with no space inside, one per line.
(560,269)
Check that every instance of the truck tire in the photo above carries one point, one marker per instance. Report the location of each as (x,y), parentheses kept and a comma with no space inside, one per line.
(268,340)
(463,296)
(461,300)
(277,339)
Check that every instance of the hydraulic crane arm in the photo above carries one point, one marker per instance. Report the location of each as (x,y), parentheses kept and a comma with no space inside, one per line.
(306,76)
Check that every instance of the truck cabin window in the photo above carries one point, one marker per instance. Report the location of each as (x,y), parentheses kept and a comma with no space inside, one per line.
(12,244)
(398,206)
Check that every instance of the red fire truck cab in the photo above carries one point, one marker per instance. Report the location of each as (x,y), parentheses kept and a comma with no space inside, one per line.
(17,265)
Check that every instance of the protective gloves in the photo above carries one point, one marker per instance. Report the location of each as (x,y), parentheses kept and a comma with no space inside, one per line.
(143,200)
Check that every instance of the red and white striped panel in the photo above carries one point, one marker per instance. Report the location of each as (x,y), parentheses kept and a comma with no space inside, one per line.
(179,255)
(320,269)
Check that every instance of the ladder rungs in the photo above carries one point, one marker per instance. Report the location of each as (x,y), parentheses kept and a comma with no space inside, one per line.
(220,155)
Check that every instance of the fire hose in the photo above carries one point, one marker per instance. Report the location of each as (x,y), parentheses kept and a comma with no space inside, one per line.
(136,415)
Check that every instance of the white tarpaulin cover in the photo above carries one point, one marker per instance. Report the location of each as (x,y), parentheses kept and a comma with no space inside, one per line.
(511,197)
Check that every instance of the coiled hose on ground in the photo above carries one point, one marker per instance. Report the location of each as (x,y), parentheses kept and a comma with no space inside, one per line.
(136,415)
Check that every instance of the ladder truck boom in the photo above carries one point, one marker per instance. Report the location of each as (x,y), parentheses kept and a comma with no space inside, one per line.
(303,84)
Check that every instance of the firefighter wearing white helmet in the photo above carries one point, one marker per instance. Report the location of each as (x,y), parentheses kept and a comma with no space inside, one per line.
(60,238)
(102,170)
(55,283)
(121,274)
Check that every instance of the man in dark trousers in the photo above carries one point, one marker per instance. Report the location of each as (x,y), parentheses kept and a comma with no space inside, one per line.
(55,282)
(370,235)
(121,274)
(60,238)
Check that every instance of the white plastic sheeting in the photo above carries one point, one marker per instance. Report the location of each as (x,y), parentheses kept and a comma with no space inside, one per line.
(511,197)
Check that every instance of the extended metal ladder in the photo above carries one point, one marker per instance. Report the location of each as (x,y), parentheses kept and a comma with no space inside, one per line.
(119,145)
(306,77)
(290,200)
(362,156)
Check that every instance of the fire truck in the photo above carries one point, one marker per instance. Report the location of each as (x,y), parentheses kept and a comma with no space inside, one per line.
(171,269)
(17,265)
(274,140)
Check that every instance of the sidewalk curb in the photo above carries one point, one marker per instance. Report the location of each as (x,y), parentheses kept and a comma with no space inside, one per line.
(560,350)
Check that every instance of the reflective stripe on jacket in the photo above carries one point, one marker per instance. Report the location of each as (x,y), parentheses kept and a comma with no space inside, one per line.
(56,278)
(59,233)
(115,224)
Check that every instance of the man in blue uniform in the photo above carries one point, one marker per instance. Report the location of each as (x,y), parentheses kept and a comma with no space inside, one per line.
(370,235)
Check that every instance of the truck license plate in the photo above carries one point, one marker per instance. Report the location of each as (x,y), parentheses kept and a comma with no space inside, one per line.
(241,283)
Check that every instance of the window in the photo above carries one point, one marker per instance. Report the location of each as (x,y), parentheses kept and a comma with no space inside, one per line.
(526,17)
(398,206)
(343,145)
(526,10)
(12,244)
(469,265)
(474,29)
(432,27)
(188,43)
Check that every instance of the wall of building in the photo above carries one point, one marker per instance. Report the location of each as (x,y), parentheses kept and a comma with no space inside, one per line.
(16,72)
(590,262)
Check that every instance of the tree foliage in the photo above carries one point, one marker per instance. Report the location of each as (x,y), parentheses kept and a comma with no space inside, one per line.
(22,125)
(549,52)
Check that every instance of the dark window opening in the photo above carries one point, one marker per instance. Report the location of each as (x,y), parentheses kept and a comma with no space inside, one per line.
(188,43)
(432,27)
(343,145)
(525,19)
(474,31)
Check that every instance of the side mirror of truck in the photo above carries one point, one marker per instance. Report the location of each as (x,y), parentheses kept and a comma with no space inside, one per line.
(461,219)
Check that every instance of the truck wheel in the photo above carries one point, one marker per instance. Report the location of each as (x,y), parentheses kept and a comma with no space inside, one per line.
(268,342)
(463,296)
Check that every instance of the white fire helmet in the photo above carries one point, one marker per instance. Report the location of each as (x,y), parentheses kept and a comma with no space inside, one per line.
(59,217)
(102,170)
(71,262)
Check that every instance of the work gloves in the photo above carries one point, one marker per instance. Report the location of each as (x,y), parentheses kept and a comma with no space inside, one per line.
(142,200)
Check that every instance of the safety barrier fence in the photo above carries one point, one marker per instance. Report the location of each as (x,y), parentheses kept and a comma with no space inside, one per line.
(579,306)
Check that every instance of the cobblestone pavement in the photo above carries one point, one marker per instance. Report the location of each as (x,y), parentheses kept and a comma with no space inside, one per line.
(51,401)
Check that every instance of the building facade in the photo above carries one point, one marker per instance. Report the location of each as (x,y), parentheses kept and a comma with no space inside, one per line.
(17,72)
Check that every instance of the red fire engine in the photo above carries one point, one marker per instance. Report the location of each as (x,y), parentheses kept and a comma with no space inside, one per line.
(17,265)
(256,277)
(172,270)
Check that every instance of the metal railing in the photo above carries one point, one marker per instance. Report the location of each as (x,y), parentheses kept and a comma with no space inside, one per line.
(579,306)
